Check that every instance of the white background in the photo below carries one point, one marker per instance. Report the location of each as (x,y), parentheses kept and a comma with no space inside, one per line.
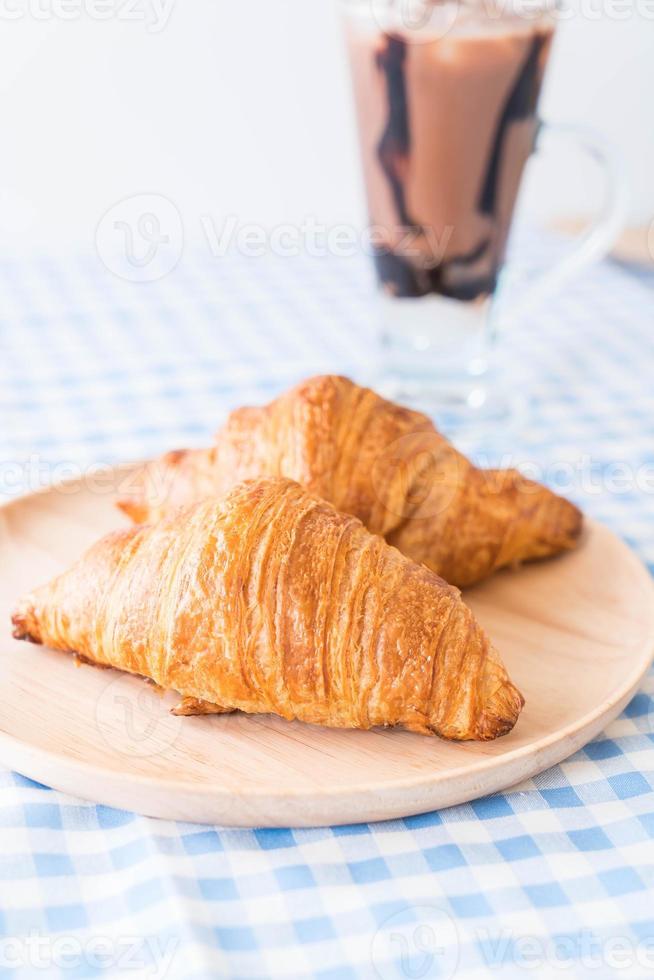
(243,108)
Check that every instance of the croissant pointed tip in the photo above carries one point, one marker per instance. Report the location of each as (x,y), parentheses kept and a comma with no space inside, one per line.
(544,524)
(501,714)
(132,509)
(503,702)
(571,525)
(23,624)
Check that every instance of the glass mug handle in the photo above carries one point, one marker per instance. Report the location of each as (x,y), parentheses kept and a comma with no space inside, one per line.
(593,243)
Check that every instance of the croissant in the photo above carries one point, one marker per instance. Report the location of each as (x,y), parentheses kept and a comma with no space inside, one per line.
(386,465)
(272,601)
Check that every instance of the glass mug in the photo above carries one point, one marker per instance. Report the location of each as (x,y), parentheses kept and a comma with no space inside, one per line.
(446,97)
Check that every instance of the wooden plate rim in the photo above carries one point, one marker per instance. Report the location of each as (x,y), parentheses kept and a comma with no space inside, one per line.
(570,739)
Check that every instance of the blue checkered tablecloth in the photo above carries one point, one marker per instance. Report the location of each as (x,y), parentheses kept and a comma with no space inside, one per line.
(555,878)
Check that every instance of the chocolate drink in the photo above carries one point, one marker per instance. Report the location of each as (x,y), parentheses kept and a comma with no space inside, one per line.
(446,125)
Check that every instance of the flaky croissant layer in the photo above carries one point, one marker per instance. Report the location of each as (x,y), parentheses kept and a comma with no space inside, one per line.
(272,601)
(383,463)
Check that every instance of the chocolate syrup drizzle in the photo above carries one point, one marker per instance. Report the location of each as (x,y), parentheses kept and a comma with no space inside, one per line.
(393,150)
(520,105)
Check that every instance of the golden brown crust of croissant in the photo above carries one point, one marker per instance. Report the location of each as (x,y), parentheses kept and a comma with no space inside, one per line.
(272,601)
(383,463)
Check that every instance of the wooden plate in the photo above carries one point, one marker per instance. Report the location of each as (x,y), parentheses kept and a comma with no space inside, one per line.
(577,634)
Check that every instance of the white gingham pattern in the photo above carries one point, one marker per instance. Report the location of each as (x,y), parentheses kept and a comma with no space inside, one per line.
(555,878)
